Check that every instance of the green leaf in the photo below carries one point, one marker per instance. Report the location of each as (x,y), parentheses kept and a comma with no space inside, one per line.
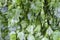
(56,35)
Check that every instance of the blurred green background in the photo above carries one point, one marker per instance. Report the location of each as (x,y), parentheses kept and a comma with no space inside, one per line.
(29,19)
